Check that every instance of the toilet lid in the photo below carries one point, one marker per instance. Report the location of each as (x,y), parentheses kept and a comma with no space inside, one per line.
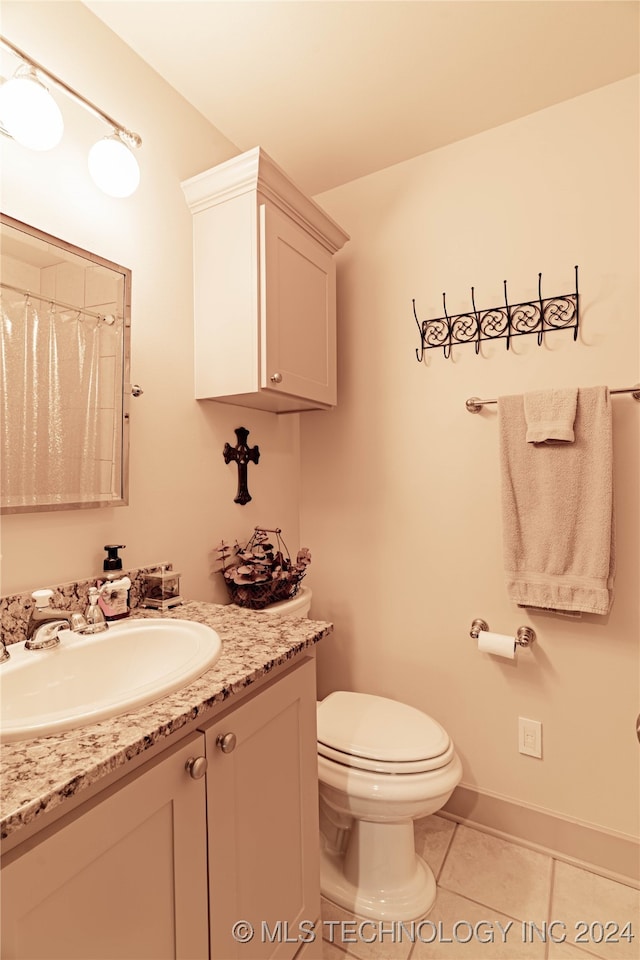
(360,725)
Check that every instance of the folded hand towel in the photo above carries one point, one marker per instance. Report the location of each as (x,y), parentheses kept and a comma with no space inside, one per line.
(557,509)
(550,415)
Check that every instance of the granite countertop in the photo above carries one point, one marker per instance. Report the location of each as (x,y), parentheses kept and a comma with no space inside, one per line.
(38,775)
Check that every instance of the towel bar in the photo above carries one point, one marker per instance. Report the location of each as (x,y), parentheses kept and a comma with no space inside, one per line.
(524,635)
(475,404)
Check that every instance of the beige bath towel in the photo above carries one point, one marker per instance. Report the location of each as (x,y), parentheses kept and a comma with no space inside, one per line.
(557,509)
(550,415)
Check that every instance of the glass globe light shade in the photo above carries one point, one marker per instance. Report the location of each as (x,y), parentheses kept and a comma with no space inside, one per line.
(29,113)
(113,167)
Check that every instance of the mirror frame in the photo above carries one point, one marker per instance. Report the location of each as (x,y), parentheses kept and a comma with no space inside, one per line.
(93,258)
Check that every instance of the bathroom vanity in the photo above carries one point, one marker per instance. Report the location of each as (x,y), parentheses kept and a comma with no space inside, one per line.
(152,834)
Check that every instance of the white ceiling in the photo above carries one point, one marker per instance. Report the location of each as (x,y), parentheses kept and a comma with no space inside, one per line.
(336,89)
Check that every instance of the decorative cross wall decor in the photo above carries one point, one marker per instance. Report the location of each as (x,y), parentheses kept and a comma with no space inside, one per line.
(242,454)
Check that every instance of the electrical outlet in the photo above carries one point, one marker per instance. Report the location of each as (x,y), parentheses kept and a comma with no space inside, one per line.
(530,737)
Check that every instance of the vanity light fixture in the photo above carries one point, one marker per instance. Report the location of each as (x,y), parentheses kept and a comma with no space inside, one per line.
(29,113)
(113,166)
(31,117)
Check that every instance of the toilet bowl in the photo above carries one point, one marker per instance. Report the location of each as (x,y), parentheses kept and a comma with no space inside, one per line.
(381,765)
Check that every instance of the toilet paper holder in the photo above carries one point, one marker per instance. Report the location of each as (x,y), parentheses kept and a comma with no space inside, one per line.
(523,637)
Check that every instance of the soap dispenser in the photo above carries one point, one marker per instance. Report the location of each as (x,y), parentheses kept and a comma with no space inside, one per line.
(113,587)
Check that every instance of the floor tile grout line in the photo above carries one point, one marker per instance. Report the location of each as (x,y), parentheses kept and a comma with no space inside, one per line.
(446,853)
(479,903)
(342,950)
(550,918)
(552,884)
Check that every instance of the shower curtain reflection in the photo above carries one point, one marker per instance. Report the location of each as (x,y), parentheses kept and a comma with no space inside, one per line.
(54,369)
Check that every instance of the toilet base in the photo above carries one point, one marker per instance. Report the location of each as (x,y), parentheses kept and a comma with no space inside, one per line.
(410,898)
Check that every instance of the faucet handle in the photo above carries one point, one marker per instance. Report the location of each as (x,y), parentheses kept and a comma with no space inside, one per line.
(95,621)
(78,622)
(42,598)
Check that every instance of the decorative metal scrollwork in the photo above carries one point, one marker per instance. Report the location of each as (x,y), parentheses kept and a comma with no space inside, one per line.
(499,323)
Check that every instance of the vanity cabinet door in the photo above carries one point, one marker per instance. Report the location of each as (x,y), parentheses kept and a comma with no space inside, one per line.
(124,879)
(262,805)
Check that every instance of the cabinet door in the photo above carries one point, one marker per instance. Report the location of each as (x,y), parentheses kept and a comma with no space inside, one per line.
(297,310)
(126,880)
(262,807)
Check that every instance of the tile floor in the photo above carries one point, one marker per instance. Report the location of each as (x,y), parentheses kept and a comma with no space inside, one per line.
(495,900)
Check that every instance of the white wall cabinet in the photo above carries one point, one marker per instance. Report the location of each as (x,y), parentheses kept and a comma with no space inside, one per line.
(162,864)
(264,288)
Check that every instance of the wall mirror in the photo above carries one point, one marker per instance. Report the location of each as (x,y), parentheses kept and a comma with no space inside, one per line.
(64,374)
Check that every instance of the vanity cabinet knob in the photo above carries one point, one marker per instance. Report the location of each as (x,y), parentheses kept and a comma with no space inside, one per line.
(276,378)
(226,742)
(196,767)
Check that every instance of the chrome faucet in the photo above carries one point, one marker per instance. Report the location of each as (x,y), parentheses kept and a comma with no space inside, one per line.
(45,635)
(43,616)
(49,615)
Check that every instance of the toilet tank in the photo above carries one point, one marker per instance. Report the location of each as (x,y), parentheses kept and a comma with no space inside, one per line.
(298,606)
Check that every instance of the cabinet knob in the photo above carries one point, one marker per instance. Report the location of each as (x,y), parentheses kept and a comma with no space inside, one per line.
(226,742)
(196,767)
(276,378)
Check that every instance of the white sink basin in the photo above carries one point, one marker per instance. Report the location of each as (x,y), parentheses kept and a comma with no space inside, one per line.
(87,678)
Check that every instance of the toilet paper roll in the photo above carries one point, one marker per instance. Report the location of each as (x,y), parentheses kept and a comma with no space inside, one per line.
(498,644)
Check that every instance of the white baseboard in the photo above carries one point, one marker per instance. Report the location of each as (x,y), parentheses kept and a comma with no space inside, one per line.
(611,854)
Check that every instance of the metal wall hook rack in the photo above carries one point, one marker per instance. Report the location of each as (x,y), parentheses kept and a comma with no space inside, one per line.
(524,635)
(499,323)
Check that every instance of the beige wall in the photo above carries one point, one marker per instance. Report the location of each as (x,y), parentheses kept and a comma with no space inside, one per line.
(407,536)
(181,491)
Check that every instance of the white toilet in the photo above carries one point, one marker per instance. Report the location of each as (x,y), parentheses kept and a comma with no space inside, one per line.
(381,765)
